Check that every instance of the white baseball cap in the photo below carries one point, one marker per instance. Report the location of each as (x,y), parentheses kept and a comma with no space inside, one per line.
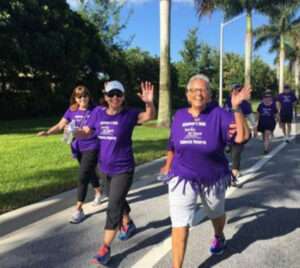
(113,85)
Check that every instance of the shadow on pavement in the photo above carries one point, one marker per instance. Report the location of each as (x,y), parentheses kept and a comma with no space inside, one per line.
(150,241)
(269,223)
(250,208)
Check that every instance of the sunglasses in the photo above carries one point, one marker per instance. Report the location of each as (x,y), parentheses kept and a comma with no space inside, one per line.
(113,93)
(82,96)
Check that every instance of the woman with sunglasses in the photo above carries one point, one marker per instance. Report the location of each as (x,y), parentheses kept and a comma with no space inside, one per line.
(114,126)
(85,150)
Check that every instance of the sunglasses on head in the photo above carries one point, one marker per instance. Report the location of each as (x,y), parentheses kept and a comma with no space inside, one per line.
(116,93)
(81,96)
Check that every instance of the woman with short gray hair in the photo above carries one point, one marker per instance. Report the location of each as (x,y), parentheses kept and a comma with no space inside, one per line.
(196,163)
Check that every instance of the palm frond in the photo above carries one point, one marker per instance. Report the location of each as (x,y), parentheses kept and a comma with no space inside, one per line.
(205,7)
(265,34)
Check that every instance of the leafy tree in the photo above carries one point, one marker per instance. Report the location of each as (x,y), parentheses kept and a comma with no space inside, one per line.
(232,9)
(283,19)
(190,54)
(44,49)
(263,77)
(105,16)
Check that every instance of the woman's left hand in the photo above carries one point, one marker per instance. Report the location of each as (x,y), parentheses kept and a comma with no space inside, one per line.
(147,92)
(238,97)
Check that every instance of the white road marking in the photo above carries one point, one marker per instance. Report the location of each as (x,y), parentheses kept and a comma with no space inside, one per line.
(153,256)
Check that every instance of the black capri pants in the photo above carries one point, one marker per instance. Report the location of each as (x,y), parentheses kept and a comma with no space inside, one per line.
(116,188)
(236,151)
(87,172)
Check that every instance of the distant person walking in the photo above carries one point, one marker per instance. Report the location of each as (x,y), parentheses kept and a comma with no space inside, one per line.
(196,163)
(114,126)
(236,149)
(286,105)
(85,150)
(266,117)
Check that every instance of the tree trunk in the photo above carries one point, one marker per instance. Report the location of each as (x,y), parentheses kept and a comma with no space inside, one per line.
(164,107)
(248,48)
(297,72)
(277,70)
(281,63)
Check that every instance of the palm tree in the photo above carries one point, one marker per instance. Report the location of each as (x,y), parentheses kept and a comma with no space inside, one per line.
(164,107)
(231,9)
(282,22)
(293,55)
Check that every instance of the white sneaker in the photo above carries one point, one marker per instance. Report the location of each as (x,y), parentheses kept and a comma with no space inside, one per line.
(77,217)
(97,200)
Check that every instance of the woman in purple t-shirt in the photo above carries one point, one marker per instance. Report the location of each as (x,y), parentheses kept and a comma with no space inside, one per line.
(286,105)
(84,150)
(266,118)
(196,163)
(114,126)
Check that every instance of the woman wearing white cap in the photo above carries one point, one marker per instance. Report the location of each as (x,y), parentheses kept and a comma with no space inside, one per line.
(114,126)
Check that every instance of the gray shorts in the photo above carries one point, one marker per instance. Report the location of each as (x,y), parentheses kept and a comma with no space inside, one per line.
(184,203)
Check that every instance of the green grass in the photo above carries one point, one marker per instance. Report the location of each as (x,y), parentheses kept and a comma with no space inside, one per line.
(33,168)
(254,104)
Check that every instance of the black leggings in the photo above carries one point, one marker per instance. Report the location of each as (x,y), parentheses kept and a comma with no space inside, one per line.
(116,187)
(87,173)
(236,151)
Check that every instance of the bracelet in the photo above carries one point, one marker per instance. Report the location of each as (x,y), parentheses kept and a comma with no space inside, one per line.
(236,110)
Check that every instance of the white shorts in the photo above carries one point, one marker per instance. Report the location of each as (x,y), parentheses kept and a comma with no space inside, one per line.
(183,202)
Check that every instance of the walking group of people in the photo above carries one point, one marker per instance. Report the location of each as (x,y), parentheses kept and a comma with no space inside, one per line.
(270,111)
(273,110)
(195,164)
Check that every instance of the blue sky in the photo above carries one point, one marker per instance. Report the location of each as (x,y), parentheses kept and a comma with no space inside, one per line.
(144,25)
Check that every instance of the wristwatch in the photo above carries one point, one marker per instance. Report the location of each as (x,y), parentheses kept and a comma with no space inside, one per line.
(236,110)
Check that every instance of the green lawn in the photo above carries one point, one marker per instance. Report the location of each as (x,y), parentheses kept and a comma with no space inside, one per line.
(33,168)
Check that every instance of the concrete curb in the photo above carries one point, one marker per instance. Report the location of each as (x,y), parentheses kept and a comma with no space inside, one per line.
(24,216)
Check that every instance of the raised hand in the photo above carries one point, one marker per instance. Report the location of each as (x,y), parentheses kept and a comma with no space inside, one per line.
(147,89)
(238,97)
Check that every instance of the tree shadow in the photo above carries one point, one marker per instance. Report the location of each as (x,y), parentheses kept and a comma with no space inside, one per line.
(269,223)
(150,241)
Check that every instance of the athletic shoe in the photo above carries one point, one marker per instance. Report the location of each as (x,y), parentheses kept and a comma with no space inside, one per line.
(103,255)
(78,216)
(218,245)
(127,231)
(234,180)
(97,199)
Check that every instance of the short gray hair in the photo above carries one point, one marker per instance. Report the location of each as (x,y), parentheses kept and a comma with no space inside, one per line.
(198,77)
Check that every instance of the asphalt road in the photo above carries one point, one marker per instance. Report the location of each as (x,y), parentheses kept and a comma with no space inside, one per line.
(262,230)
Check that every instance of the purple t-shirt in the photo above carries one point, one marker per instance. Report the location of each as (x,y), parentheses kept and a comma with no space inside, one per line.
(267,114)
(286,101)
(81,117)
(115,135)
(198,145)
